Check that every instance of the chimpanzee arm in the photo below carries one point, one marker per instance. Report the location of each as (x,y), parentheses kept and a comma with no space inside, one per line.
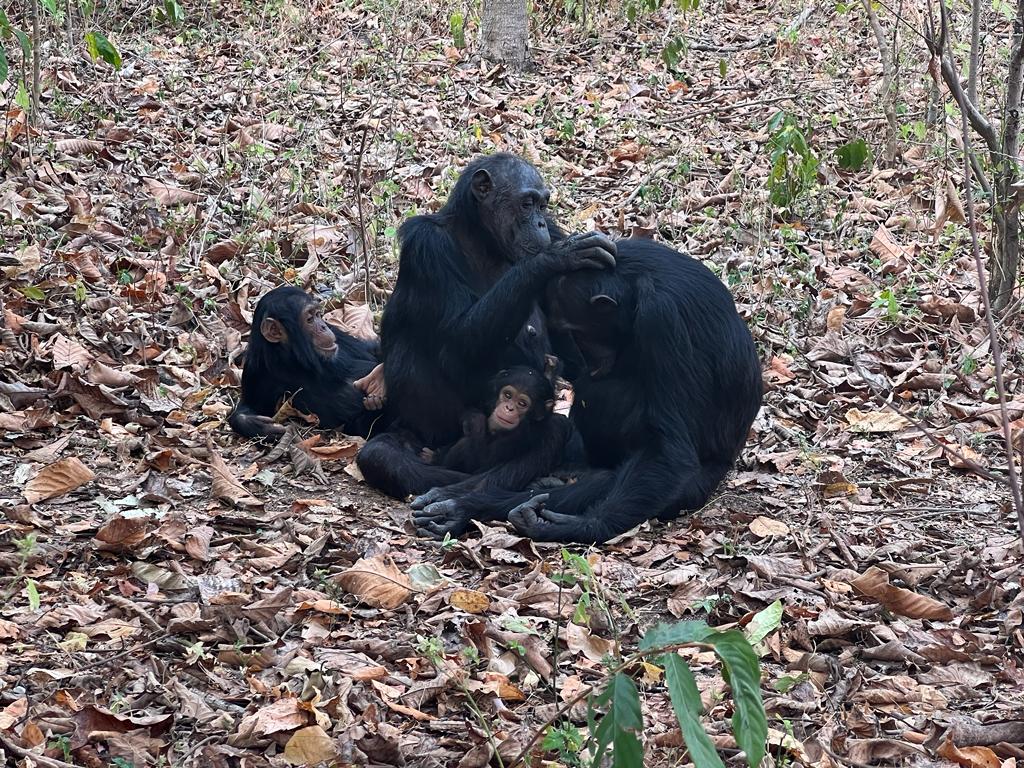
(471,328)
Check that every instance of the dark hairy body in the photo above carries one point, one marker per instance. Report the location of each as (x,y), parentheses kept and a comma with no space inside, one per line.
(666,385)
(464,306)
(293,353)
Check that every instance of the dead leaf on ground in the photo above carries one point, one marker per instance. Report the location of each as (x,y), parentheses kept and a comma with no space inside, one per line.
(57,479)
(377,582)
(225,485)
(874,583)
(875,422)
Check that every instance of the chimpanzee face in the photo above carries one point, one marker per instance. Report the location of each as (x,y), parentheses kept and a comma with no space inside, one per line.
(511,408)
(513,202)
(319,333)
(303,328)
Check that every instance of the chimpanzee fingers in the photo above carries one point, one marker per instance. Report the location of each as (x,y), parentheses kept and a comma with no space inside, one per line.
(593,258)
(596,246)
(434,494)
(524,517)
(265,425)
(373,403)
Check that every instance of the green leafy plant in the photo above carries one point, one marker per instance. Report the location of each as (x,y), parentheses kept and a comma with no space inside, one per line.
(457,25)
(854,155)
(99,47)
(794,166)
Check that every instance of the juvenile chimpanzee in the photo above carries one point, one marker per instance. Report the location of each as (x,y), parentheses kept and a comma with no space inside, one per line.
(666,385)
(294,352)
(464,306)
(518,420)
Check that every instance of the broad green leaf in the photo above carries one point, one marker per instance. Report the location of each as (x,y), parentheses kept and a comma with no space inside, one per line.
(5,24)
(682,689)
(680,633)
(21,97)
(749,724)
(621,723)
(24,41)
(50,6)
(101,48)
(33,594)
(31,292)
(3,65)
(764,623)
(854,155)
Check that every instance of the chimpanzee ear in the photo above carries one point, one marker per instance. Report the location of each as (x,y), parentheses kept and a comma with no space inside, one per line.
(603,303)
(273,331)
(482,184)
(549,406)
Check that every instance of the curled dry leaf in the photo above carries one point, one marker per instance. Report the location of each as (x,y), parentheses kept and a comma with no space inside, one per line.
(122,533)
(874,583)
(356,319)
(226,486)
(310,746)
(57,479)
(879,421)
(763,527)
(70,354)
(166,194)
(469,600)
(79,146)
(376,581)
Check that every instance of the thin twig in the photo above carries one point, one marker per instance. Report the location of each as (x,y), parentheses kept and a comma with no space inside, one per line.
(993,336)
(359,207)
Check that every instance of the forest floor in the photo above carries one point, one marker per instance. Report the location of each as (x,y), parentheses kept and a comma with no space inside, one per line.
(172,595)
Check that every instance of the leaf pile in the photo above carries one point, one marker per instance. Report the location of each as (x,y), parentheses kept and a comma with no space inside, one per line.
(171,593)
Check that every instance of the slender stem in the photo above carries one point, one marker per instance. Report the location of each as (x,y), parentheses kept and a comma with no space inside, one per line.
(993,336)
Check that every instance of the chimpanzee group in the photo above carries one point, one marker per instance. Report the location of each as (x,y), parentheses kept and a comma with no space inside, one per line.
(666,379)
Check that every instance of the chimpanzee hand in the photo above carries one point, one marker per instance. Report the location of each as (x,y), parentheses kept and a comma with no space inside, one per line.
(532,519)
(373,388)
(254,425)
(590,250)
(434,494)
(441,518)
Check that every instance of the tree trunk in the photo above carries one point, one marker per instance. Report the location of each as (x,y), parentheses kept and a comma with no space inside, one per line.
(505,32)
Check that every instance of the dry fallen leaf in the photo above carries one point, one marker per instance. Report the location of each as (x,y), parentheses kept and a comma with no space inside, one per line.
(878,421)
(376,581)
(763,527)
(310,746)
(469,600)
(57,479)
(167,195)
(225,485)
(874,583)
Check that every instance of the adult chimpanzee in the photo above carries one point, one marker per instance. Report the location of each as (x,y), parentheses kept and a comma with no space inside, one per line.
(464,306)
(666,385)
(518,420)
(294,352)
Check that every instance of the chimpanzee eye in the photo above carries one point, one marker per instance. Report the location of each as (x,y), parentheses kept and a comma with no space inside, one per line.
(527,203)
(523,404)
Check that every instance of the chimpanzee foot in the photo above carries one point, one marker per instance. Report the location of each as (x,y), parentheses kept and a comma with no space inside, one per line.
(431,496)
(540,524)
(441,518)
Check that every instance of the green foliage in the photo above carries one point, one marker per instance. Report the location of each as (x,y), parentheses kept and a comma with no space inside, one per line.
(794,166)
(33,594)
(567,740)
(100,47)
(457,25)
(853,156)
(741,671)
(622,722)
(685,697)
(171,13)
